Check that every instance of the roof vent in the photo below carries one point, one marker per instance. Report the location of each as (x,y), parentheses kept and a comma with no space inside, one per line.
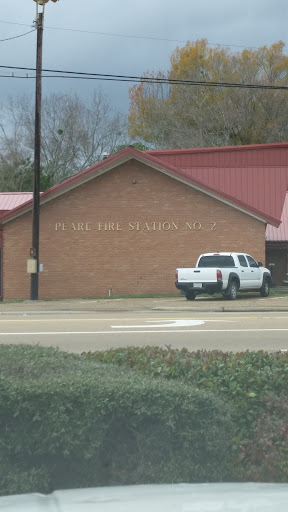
(104,155)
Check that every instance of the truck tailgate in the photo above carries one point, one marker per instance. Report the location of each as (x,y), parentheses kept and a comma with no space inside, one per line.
(197,275)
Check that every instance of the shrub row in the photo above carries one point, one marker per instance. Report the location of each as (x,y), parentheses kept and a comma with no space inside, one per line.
(256,383)
(249,378)
(251,372)
(264,457)
(67,422)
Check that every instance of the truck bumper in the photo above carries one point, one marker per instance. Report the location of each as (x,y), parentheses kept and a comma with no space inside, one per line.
(209,288)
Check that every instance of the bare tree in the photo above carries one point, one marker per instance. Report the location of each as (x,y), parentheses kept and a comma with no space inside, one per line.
(74,135)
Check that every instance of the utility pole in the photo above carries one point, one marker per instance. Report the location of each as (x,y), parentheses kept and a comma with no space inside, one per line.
(34,251)
(37,159)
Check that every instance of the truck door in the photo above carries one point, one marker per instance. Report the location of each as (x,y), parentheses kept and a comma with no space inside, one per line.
(244,272)
(255,273)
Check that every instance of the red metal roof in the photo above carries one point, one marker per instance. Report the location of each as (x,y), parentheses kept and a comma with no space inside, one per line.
(256,175)
(252,178)
(10,200)
(280,234)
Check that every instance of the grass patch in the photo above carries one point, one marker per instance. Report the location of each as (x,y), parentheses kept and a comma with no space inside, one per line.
(100,297)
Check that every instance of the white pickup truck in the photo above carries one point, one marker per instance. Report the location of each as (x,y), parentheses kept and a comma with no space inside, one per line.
(225,272)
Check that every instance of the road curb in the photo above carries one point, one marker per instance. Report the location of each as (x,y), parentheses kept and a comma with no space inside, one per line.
(225,310)
(221,309)
(143,305)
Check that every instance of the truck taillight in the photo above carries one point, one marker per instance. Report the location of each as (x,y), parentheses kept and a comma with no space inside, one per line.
(176,275)
(219,275)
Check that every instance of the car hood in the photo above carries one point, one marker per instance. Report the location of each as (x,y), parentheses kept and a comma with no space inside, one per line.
(156,498)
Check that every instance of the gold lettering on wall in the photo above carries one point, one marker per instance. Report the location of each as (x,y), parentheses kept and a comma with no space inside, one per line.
(153,226)
(110,226)
(193,226)
(73,226)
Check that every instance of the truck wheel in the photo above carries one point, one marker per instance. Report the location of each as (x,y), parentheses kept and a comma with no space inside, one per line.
(232,291)
(265,288)
(190,295)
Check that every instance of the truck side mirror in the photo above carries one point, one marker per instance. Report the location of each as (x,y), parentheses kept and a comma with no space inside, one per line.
(260,264)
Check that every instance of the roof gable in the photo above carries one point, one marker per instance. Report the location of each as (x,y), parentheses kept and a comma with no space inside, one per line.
(186,175)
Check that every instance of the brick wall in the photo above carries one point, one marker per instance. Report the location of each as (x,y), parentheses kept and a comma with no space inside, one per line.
(127,231)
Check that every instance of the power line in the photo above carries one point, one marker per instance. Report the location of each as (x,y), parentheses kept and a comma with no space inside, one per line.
(80,75)
(15,76)
(131,36)
(151,38)
(16,37)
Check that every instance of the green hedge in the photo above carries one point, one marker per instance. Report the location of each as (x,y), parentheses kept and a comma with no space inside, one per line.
(264,457)
(67,422)
(247,378)
(253,382)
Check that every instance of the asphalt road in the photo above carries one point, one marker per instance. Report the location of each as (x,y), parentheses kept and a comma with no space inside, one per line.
(78,332)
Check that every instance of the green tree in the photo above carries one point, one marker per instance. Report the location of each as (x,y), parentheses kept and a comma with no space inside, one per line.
(171,115)
(18,176)
(137,145)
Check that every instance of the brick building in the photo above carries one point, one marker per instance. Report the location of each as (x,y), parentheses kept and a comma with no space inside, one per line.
(123,225)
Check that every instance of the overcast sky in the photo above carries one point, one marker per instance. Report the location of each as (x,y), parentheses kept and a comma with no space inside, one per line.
(142,37)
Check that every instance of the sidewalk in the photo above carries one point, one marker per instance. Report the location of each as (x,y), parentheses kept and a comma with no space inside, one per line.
(244,302)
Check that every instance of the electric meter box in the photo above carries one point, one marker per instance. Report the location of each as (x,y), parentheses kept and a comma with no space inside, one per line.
(31,266)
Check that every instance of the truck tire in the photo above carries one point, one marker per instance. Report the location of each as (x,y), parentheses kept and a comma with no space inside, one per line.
(231,293)
(190,295)
(265,288)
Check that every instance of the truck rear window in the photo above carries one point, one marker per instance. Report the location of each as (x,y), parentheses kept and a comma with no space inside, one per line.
(216,261)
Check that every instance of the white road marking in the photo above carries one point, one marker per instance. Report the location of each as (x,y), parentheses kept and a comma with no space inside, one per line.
(27,320)
(43,333)
(172,323)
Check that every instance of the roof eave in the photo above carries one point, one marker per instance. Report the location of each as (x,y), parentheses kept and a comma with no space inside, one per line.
(220,149)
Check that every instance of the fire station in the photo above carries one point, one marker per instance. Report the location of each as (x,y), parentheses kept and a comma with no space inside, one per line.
(123,225)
